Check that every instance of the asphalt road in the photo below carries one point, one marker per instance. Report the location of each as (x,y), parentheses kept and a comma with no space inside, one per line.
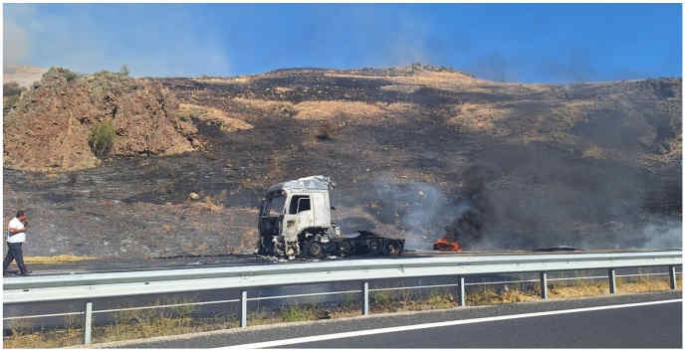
(607,321)
(652,326)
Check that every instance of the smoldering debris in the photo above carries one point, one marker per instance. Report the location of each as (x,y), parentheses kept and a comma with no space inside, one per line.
(481,220)
(467,229)
(421,210)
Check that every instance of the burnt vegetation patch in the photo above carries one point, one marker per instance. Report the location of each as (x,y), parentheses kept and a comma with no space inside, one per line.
(511,165)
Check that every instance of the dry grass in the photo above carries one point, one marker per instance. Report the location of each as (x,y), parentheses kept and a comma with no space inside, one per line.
(214,204)
(326,110)
(261,104)
(302,313)
(441,80)
(213,116)
(336,111)
(586,287)
(675,155)
(594,151)
(581,289)
(479,118)
(223,80)
(445,80)
(406,300)
(487,296)
(645,285)
(121,330)
(402,88)
(180,320)
(126,325)
(283,90)
(56,260)
(24,337)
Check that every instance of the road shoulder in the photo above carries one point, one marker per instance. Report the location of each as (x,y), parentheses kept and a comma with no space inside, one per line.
(222,338)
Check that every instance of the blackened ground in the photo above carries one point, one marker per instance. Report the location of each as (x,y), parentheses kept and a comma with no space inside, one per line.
(587,165)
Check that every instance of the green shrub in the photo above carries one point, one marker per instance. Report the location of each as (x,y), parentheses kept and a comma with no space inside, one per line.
(56,73)
(297,313)
(102,139)
(381,299)
(69,75)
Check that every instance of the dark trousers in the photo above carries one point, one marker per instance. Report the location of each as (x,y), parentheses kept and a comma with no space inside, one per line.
(14,253)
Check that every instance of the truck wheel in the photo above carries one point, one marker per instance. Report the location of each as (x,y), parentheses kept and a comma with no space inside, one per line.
(374,247)
(314,250)
(345,248)
(391,249)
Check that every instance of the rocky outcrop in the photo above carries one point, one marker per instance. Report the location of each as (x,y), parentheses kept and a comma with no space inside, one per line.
(52,125)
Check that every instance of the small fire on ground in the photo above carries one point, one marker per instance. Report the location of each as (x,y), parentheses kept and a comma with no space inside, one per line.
(444,244)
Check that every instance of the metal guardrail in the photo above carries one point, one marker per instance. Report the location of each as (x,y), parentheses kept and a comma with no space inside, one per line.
(99,285)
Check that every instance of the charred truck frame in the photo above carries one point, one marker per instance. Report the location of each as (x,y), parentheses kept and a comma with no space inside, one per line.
(295,221)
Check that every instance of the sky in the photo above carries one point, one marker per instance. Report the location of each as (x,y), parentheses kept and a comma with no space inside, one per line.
(546,43)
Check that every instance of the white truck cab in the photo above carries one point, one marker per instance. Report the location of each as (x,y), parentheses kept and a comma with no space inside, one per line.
(295,220)
(296,210)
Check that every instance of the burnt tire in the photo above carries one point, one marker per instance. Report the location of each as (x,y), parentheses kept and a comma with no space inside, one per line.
(314,250)
(391,248)
(345,248)
(374,247)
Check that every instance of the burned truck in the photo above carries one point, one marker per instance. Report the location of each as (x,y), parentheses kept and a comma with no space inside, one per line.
(295,221)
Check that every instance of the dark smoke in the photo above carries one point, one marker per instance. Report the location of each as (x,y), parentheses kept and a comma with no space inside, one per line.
(421,210)
(546,203)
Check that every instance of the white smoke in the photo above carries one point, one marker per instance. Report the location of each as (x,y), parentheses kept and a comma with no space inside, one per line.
(17,18)
(422,210)
(86,39)
(663,234)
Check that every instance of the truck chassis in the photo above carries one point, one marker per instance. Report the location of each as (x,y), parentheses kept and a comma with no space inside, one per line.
(295,222)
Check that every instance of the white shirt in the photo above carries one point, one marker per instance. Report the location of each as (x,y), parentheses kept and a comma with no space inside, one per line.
(19,237)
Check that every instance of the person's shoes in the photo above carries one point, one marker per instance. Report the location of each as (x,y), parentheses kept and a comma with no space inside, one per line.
(26,273)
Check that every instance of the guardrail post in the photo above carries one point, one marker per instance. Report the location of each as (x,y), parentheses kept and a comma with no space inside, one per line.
(612,281)
(671,271)
(87,325)
(543,285)
(365,297)
(243,309)
(462,291)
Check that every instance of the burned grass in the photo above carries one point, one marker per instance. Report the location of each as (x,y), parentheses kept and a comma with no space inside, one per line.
(541,151)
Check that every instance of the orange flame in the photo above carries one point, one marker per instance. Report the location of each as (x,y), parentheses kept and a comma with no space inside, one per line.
(445,244)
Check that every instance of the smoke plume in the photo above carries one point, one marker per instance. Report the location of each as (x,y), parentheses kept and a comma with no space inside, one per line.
(421,210)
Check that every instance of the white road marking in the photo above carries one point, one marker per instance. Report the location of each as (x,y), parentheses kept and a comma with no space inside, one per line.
(357,333)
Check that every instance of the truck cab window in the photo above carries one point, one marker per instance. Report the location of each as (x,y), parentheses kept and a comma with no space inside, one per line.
(275,206)
(299,203)
(304,205)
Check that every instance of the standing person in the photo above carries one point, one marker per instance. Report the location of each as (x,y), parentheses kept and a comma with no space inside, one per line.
(16,235)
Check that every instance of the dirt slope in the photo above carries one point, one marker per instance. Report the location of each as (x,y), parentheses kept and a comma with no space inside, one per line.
(416,151)
(52,123)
